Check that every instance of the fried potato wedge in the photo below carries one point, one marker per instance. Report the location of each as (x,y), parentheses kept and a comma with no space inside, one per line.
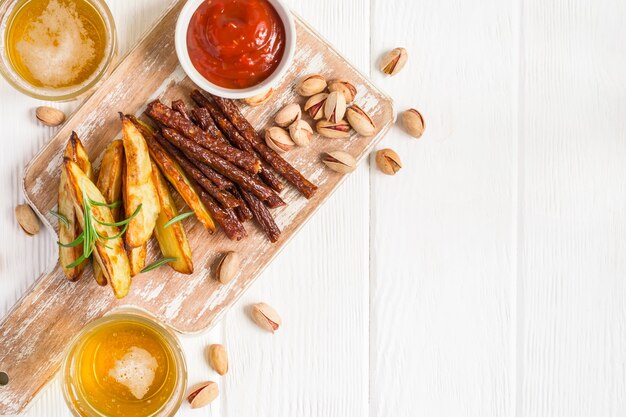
(69,232)
(138,187)
(110,185)
(137,259)
(77,153)
(111,254)
(110,175)
(176,176)
(172,240)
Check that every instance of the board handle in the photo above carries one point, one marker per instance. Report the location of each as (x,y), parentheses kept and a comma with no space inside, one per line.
(36,332)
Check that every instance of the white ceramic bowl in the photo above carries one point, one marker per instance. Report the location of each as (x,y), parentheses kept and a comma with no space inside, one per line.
(183,54)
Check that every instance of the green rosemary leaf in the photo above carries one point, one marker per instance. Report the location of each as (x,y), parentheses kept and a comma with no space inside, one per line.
(123,222)
(178,218)
(77,262)
(157,264)
(89,239)
(74,243)
(115,204)
(61,217)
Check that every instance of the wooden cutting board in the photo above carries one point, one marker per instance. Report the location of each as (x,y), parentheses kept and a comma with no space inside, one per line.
(36,332)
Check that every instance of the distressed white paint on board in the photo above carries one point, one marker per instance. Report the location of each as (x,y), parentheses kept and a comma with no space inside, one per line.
(494,282)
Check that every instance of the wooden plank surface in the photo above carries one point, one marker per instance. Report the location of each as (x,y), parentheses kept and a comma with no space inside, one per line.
(538,332)
(319,284)
(442,249)
(573,210)
(37,330)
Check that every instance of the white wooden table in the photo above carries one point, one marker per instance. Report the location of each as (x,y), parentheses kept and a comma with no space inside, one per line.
(488,278)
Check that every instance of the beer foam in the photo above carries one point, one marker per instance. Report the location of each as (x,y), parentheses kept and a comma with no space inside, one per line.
(136,371)
(56,46)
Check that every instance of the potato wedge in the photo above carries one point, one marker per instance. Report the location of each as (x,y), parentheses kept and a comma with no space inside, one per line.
(176,176)
(110,185)
(68,233)
(110,175)
(137,259)
(77,153)
(139,188)
(172,240)
(136,256)
(111,254)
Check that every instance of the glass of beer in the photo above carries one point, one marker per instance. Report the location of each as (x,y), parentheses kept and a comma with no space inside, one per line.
(124,364)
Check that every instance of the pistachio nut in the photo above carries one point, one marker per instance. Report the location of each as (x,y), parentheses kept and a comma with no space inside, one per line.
(393,61)
(203,394)
(27,219)
(339,161)
(315,105)
(259,99)
(278,139)
(288,114)
(311,85)
(218,358)
(301,133)
(265,317)
(413,123)
(388,161)
(344,87)
(49,116)
(335,107)
(228,267)
(360,121)
(331,130)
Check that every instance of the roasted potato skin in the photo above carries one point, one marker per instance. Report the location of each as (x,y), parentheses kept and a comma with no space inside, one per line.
(75,152)
(172,240)
(110,185)
(175,175)
(111,254)
(138,187)
(137,259)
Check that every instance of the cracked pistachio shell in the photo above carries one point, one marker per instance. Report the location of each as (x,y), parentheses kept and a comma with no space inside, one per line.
(393,61)
(311,85)
(314,106)
(203,394)
(360,121)
(259,99)
(278,139)
(288,115)
(413,123)
(265,317)
(335,107)
(388,161)
(340,161)
(339,130)
(301,133)
(228,267)
(344,87)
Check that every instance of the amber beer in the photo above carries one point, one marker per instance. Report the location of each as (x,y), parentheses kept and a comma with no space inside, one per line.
(124,365)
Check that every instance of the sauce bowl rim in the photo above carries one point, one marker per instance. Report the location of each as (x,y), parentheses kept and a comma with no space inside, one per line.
(182,26)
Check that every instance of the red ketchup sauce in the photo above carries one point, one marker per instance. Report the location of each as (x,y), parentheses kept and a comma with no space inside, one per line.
(236,43)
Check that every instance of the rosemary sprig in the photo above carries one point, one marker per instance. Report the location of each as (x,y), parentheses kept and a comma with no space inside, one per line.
(158,264)
(76,242)
(90,235)
(115,204)
(178,218)
(61,217)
